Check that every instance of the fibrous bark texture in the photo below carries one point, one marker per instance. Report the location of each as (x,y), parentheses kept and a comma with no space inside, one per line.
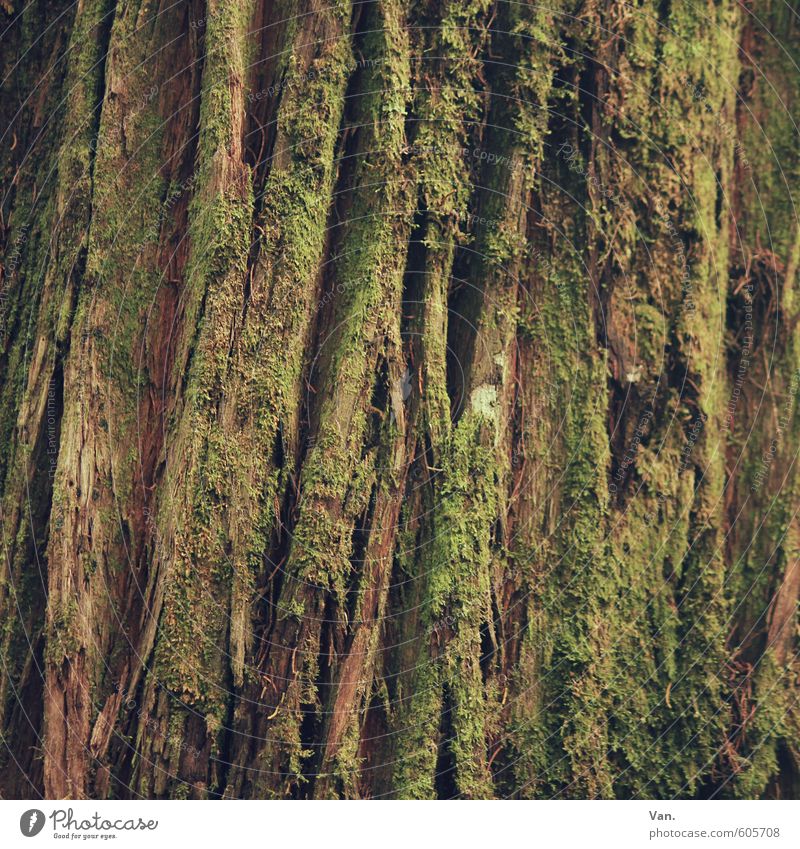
(400,398)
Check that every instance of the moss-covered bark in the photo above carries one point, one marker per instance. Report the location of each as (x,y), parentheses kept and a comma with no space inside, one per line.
(399,399)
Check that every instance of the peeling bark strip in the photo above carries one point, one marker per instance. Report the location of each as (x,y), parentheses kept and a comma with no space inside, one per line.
(399,400)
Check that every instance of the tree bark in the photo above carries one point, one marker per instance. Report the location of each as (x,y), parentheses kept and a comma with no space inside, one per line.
(400,399)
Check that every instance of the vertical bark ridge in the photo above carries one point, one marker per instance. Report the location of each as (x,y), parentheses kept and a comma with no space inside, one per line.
(338,476)
(59,214)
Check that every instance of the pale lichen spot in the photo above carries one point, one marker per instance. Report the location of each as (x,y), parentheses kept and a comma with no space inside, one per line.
(483,400)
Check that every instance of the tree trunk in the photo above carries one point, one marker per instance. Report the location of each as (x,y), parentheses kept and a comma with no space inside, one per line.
(400,399)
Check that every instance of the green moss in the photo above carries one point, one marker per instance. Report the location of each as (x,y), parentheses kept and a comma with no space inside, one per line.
(65,636)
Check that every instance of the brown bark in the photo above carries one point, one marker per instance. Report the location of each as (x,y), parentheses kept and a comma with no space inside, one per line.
(399,399)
